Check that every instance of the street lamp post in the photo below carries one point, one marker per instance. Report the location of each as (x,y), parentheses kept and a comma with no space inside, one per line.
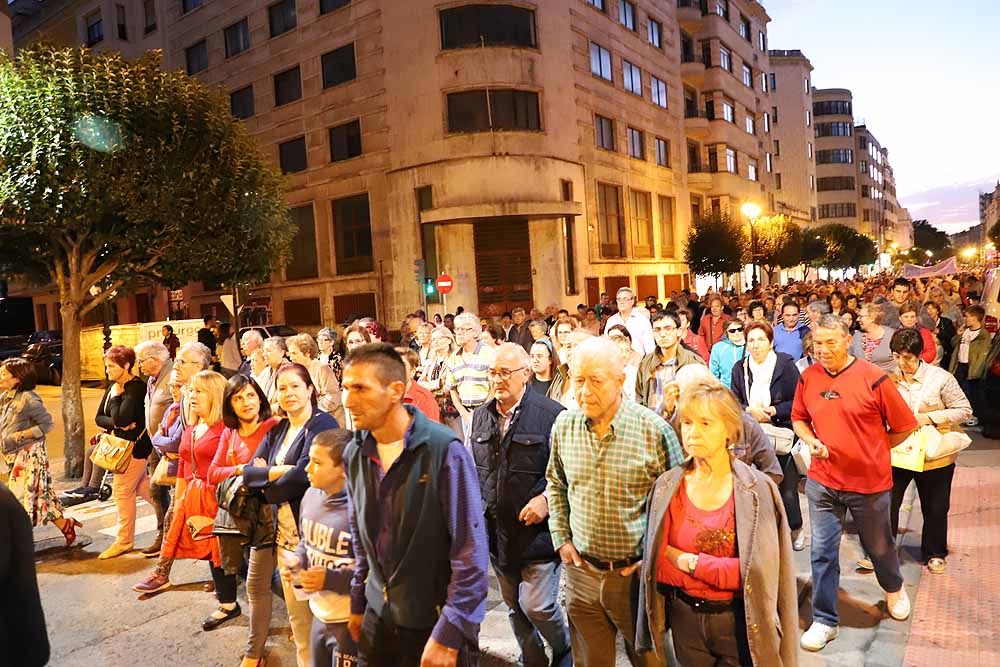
(751,211)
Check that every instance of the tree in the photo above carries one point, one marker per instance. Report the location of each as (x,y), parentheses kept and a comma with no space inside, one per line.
(779,243)
(994,233)
(714,246)
(844,247)
(116,173)
(928,237)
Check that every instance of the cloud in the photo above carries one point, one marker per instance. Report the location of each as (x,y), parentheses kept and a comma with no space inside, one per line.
(952,207)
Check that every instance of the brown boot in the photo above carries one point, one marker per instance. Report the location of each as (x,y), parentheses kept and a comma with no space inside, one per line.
(153,550)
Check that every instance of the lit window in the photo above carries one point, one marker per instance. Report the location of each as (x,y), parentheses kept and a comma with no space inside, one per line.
(725,59)
(752,171)
(750,125)
(728,113)
(731,165)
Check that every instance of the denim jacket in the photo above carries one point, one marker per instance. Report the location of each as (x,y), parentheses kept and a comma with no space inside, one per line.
(24,411)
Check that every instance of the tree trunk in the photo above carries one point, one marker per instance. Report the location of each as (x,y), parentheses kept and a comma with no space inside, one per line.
(72,399)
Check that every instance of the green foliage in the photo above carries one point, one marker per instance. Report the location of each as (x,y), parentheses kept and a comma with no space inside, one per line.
(993,234)
(779,242)
(928,237)
(844,247)
(114,171)
(714,246)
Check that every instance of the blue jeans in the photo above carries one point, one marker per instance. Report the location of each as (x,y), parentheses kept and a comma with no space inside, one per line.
(870,511)
(332,645)
(532,595)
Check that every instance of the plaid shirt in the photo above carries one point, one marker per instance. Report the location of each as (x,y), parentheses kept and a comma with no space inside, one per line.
(597,487)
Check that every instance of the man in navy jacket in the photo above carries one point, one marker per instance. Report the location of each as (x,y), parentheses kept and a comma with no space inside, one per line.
(510,444)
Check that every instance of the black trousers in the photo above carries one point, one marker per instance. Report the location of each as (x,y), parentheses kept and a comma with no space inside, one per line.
(387,645)
(934,489)
(225,585)
(789,489)
(709,640)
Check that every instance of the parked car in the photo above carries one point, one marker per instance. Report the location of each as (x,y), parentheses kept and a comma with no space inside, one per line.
(45,338)
(47,360)
(268,330)
(11,346)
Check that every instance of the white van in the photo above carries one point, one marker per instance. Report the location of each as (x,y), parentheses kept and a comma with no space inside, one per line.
(991,300)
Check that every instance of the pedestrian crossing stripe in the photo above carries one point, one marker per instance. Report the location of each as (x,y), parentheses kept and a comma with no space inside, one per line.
(95,509)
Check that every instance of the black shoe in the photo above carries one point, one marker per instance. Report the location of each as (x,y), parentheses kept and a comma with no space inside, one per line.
(212,623)
(77,492)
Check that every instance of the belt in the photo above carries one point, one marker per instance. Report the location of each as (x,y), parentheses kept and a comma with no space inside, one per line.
(700,605)
(611,564)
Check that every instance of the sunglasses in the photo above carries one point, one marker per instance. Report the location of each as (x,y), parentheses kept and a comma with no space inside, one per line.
(735,330)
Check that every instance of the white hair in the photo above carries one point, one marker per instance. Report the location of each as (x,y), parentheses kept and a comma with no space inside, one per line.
(691,375)
(470,320)
(152,348)
(250,334)
(197,350)
(599,351)
(516,350)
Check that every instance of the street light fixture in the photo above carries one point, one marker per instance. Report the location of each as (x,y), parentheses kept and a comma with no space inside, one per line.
(930,254)
(751,212)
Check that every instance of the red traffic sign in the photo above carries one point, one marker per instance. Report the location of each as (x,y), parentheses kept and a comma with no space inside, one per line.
(444,283)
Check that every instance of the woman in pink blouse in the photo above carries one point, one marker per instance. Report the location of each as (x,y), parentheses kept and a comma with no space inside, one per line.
(717,550)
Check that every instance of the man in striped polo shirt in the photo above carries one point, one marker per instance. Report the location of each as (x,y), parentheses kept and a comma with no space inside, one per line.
(468,370)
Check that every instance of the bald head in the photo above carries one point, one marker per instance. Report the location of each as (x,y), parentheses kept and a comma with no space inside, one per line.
(509,373)
(511,354)
(593,352)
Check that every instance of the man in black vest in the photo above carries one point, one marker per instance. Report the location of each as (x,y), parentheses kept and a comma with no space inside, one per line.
(510,443)
(419,589)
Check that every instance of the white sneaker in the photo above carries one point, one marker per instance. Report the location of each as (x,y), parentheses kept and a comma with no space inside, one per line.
(818,636)
(798,539)
(899,604)
(972,422)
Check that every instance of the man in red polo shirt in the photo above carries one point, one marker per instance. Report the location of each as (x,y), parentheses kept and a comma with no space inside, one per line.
(850,415)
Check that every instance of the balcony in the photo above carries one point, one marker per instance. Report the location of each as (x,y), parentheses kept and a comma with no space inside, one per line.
(693,72)
(690,12)
(695,122)
(700,181)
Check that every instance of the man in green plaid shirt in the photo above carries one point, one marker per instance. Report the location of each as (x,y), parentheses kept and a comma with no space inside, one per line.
(605,458)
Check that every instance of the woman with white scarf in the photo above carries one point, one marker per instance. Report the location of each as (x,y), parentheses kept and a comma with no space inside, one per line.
(764,383)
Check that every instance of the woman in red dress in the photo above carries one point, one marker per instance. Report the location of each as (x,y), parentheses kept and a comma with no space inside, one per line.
(190,534)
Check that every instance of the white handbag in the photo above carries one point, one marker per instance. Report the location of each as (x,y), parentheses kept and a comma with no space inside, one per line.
(781,438)
(802,457)
(949,443)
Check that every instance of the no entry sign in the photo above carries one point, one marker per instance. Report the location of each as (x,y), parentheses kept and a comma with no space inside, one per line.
(444,283)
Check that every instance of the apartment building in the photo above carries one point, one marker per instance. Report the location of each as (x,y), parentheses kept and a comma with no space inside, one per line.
(536,152)
(836,177)
(727,104)
(794,138)
(902,232)
(6,37)
(989,208)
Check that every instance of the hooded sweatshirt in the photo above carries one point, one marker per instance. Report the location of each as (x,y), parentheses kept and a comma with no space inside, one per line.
(325,531)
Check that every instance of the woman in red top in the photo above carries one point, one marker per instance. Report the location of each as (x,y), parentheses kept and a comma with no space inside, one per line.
(247,416)
(718,552)
(190,533)
(909,319)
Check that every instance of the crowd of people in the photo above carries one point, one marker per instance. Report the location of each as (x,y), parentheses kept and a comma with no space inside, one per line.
(647,456)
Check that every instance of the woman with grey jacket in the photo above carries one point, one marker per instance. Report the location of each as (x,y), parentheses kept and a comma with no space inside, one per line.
(24,421)
(717,566)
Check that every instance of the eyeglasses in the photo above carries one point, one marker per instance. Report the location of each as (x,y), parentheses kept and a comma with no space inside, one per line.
(735,330)
(503,373)
(463,329)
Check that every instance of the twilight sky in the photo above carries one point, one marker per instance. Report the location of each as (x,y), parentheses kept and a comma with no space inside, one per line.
(926,79)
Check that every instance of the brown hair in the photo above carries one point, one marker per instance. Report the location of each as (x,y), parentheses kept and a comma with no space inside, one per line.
(122,356)
(23,371)
(763,326)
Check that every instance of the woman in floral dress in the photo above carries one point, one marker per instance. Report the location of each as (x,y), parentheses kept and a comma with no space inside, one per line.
(24,421)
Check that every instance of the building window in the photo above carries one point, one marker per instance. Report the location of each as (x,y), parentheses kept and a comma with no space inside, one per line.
(237,38)
(122,22)
(832,108)
(287,86)
(767,123)
(866,215)
(626,14)
(777,148)
(95,29)
(835,183)
(569,238)
(642,224)
(725,59)
(352,232)
(693,158)
(747,77)
(472,111)
(292,155)
(777,181)
(600,61)
(763,82)
(345,141)
(654,32)
(745,28)
(604,132)
(835,156)
(842,210)
(662,152)
(281,17)
(339,66)
(667,243)
(659,91)
(713,160)
(632,78)
(774,115)
(805,85)
(610,221)
(149,16)
(722,8)
(812,213)
(728,111)
(636,144)
(196,57)
(809,149)
(768,163)
(304,312)
(732,164)
(303,264)
(188,5)
(709,109)
(475,26)
(812,183)
(327,6)
(241,102)
(838,129)
(809,118)
(762,41)
(752,171)
(596,4)
(750,125)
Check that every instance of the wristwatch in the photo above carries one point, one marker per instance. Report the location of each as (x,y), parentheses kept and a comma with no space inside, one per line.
(692,563)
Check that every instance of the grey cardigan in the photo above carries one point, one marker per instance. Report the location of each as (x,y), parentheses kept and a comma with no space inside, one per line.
(767,568)
(24,411)
(881,356)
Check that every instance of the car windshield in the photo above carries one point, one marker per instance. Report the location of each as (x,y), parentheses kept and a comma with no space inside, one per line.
(282,330)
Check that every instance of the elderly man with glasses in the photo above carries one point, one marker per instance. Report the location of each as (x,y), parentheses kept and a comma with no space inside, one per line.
(636,321)
(467,377)
(510,444)
(155,363)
